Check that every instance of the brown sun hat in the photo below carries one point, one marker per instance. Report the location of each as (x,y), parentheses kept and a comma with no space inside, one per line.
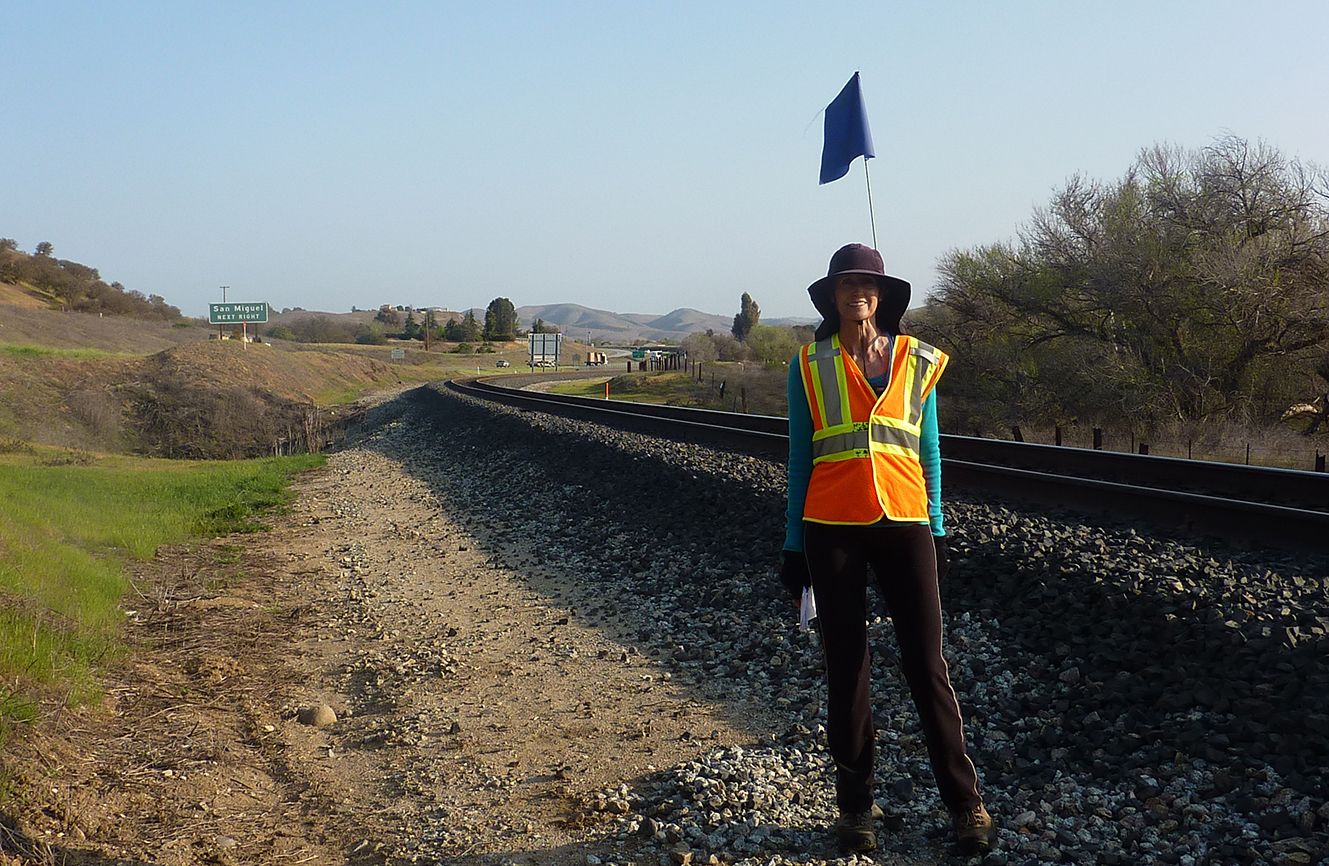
(860,259)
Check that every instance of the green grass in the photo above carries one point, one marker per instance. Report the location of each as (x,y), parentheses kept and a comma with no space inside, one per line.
(66,534)
(25,350)
(583,388)
(341,395)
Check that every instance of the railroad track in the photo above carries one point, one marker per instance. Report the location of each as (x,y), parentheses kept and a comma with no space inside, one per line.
(1266,507)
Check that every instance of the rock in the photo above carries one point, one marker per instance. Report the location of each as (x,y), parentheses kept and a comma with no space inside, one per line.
(319,716)
(680,856)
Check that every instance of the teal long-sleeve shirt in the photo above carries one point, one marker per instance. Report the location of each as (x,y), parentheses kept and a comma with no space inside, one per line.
(800,456)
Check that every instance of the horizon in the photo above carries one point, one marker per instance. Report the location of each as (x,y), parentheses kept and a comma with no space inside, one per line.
(561,153)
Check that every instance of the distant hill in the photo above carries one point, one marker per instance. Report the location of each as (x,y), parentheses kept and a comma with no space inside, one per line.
(574,320)
(604,325)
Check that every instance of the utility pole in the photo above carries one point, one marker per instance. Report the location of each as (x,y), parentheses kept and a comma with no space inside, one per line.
(221,330)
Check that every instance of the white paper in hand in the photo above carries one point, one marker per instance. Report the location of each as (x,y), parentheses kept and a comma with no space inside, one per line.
(807,611)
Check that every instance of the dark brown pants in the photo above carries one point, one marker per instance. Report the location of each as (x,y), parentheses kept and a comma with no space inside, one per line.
(904,560)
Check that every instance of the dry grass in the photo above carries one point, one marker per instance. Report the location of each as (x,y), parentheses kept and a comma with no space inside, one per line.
(729,387)
(18,296)
(1281,446)
(39,326)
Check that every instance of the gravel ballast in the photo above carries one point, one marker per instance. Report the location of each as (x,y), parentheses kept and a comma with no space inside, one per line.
(1129,698)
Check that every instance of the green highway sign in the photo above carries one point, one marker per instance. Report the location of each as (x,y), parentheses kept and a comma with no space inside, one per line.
(234,314)
(638,355)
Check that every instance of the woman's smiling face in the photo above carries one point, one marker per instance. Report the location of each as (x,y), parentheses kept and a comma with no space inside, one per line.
(856,297)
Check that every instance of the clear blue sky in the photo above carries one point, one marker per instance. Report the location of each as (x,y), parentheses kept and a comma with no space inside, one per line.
(630,156)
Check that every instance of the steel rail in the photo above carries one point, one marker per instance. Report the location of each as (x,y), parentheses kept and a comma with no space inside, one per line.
(1218,500)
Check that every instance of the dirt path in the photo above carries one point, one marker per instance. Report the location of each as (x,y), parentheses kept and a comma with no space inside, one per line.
(480,710)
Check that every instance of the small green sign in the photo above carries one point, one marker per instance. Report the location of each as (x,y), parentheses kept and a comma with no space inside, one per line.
(638,355)
(234,314)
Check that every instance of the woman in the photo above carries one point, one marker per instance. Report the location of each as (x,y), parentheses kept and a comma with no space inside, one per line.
(865,489)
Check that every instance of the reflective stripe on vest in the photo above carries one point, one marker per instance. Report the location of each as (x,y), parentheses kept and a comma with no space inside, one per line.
(864,446)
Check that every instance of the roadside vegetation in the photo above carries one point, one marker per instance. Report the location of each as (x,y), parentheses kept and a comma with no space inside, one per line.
(70,285)
(71,522)
(1191,293)
(20,350)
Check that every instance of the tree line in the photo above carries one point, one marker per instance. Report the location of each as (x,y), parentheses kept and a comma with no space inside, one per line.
(403,323)
(75,286)
(1193,288)
(748,339)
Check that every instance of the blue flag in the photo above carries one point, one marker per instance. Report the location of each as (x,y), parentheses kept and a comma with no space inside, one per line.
(847,133)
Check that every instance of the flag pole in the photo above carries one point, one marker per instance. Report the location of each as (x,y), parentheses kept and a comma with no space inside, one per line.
(872,217)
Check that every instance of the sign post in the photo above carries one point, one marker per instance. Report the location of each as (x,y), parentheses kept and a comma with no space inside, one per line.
(545,347)
(238,314)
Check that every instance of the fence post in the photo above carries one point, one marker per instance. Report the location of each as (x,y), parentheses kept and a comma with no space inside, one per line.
(1098,438)
(1058,435)
(1132,440)
(1319,462)
(1189,443)
(1144,447)
(1248,454)
(1016,434)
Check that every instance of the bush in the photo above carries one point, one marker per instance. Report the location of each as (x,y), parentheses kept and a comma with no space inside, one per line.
(370,335)
(280,332)
(463,349)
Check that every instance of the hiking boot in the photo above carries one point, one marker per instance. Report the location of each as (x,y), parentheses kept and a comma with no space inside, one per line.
(973,829)
(856,832)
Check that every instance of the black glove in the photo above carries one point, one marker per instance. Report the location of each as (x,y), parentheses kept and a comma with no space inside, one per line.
(794,573)
(943,558)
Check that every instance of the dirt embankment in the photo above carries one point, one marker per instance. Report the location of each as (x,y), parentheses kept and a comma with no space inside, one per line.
(478,709)
(201,399)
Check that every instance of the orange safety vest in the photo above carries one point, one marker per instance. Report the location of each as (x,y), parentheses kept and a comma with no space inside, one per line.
(865,462)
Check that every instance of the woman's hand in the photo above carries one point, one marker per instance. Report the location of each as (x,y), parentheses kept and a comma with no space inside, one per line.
(794,575)
(943,557)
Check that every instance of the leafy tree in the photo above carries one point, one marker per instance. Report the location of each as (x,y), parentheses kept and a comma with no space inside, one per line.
(281,332)
(1195,286)
(747,317)
(543,327)
(500,320)
(711,346)
(45,248)
(700,347)
(470,328)
(411,330)
(772,346)
(370,335)
(8,245)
